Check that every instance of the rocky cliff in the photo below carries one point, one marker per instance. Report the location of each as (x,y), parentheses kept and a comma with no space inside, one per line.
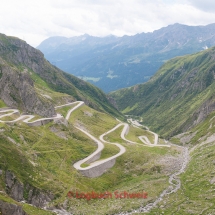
(18,60)
(10,209)
(19,191)
(17,88)
(17,91)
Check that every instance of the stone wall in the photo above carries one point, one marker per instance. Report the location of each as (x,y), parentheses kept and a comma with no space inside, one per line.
(96,171)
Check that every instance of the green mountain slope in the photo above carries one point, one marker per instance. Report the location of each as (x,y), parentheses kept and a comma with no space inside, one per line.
(196,195)
(36,163)
(19,59)
(179,96)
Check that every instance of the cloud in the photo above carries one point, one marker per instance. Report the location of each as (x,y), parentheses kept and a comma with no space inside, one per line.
(35,21)
(204,5)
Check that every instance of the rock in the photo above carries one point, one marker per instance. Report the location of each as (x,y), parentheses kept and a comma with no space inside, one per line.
(10,209)
(206,108)
(212,181)
(12,140)
(13,187)
(87,113)
(37,197)
(15,190)
(17,91)
(40,200)
(62,121)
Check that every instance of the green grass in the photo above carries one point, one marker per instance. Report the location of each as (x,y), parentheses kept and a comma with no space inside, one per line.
(170,101)
(55,166)
(36,117)
(197,193)
(109,150)
(64,110)
(7,199)
(38,81)
(31,210)
(84,165)
(2,104)
(42,88)
(134,171)
(115,136)
(175,140)
(134,133)
(95,122)
(9,118)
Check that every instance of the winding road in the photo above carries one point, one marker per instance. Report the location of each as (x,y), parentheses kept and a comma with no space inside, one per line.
(144,138)
(95,166)
(27,118)
(98,167)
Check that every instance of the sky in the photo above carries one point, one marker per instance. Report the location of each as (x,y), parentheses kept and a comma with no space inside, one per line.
(37,20)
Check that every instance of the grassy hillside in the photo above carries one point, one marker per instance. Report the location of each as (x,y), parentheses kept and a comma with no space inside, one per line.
(38,161)
(19,57)
(180,95)
(196,195)
(42,158)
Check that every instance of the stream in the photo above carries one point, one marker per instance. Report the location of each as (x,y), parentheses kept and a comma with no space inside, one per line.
(175,185)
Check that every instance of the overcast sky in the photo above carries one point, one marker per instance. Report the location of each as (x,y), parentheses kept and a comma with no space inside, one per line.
(36,20)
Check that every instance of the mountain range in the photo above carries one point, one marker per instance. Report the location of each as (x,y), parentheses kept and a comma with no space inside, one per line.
(62,138)
(114,62)
(61,135)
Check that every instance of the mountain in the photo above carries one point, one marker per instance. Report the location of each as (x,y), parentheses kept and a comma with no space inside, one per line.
(113,62)
(178,97)
(22,65)
(50,121)
(86,159)
(179,103)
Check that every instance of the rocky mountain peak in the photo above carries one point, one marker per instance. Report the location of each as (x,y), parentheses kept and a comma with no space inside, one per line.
(17,88)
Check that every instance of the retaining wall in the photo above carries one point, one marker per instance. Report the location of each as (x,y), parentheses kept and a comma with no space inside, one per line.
(97,171)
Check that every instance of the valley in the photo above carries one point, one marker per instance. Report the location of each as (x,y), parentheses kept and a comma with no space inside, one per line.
(182,90)
(61,135)
(78,108)
(50,133)
(112,62)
